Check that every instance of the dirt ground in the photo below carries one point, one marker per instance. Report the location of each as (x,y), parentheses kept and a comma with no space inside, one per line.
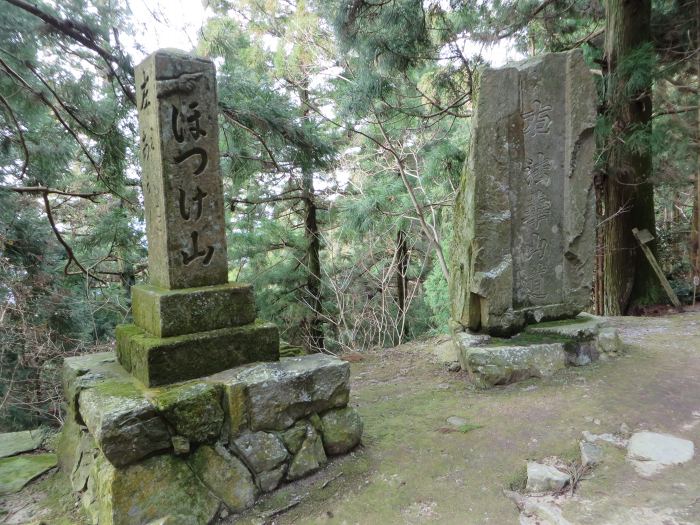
(415,467)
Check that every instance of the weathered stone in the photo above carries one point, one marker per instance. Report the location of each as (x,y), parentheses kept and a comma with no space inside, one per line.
(591,454)
(17,471)
(193,409)
(261,451)
(159,361)
(225,475)
(125,425)
(500,365)
(584,327)
(581,353)
(12,443)
(608,341)
(272,396)
(268,481)
(650,452)
(157,488)
(167,313)
(341,430)
(181,445)
(182,188)
(310,457)
(294,437)
(524,218)
(86,371)
(545,478)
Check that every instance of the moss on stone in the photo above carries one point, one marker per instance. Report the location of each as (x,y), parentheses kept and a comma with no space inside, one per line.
(17,471)
(159,361)
(528,339)
(166,313)
(157,487)
(193,409)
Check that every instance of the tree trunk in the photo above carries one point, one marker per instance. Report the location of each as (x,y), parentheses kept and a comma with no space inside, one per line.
(695,230)
(401,283)
(313,249)
(629,280)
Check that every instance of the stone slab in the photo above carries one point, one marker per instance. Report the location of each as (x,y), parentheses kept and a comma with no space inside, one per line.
(182,187)
(160,361)
(524,216)
(17,471)
(272,396)
(167,313)
(85,371)
(501,365)
(12,443)
(582,328)
(157,487)
(193,410)
(124,424)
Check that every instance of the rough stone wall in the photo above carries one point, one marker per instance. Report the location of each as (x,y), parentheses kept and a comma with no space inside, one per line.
(523,247)
(135,454)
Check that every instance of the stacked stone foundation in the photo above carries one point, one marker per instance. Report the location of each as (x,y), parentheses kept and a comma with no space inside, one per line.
(179,453)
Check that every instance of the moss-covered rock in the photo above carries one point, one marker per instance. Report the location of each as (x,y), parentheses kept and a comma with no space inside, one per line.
(86,371)
(310,457)
(167,313)
(294,437)
(12,443)
(125,425)
(341,430)
(226,476)
(153,489)
(159,361)
(17,471)
(193,410)
(500,365)
(272,396)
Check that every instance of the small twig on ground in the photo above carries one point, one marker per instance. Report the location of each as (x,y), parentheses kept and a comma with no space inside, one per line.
(329,481)
(267,516)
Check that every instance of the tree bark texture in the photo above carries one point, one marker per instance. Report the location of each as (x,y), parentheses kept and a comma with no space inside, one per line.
(629,280)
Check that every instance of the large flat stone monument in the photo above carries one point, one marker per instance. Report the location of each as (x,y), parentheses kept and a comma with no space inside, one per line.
(523,249)
(524,225)
(196,414)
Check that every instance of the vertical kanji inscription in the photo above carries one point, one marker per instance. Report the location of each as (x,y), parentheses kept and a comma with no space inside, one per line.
(183,192)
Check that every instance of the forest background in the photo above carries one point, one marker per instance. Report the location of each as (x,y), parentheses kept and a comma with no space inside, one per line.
(344,127)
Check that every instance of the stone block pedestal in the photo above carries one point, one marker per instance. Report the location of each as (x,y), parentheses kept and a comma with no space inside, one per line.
(540,351)
(136,454)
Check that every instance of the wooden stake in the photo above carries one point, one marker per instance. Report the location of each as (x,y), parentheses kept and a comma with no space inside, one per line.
(644,237)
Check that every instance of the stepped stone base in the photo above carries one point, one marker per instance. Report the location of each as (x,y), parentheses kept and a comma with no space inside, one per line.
(539,351)
(175,454)
(163,360)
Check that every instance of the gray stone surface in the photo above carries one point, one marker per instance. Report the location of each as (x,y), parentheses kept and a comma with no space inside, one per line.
(167,313)
(591,454)
(499,365)
(608,341)
(524,217)
(545,478)
(341,430)
(650,452)
(226,476)
(124,424)
(182,188)
(12,443)
(272,396)
(261,451)
(310,457)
